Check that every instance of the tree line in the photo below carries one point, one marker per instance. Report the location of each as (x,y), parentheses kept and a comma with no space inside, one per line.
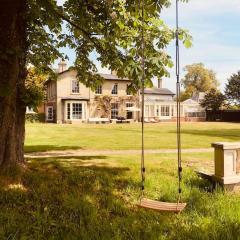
(198,79)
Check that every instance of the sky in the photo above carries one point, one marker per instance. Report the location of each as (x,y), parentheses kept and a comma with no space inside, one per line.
(214,26)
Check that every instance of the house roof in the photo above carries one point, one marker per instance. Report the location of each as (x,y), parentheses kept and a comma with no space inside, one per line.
(158,91)
(104,75)
(112,77)
(190,101)
(198,96)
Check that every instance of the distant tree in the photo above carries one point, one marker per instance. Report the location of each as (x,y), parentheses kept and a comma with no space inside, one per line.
(184,95)
(213,100)
(34,88)
(232,90)
(199,79)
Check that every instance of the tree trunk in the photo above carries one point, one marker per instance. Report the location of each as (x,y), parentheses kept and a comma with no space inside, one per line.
(12,81)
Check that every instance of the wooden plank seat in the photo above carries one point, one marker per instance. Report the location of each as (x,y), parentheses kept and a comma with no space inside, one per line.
(161,206)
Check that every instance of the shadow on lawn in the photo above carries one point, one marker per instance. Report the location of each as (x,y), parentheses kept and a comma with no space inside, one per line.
(45,148)
(83,198)
(74,198)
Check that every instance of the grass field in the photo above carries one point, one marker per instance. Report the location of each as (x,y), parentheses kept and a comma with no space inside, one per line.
(94,197)
(43,137)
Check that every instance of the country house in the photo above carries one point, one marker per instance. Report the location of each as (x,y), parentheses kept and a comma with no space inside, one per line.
(69,101)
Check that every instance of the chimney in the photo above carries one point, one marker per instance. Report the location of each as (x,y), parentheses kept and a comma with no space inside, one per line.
(159,83)
(62,66)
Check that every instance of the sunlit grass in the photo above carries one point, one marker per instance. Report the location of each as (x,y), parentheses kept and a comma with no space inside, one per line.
(95,197)
(43,137)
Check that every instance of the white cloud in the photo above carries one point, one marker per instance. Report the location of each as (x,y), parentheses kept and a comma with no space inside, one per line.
(201,8)
(215,43)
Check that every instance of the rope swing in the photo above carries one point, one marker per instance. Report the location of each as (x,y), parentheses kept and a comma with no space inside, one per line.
(144,202)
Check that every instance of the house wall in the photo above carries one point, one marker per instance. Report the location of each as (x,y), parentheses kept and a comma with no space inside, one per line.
(188,111)
(121,98)
(59,94)
(51,100)
(64,90)
(51,91)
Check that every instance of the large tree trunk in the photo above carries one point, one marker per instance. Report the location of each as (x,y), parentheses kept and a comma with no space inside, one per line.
(12,81)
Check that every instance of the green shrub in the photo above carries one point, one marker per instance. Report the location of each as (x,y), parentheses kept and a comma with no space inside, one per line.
(35,117)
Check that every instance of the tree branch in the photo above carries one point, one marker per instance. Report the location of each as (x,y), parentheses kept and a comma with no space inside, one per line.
(65,18)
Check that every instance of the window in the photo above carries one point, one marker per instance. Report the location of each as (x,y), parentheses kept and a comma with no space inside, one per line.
(165,111)
(128,90)
(98,90)
(115,89)
(146,110)
(114,111)
(49,113)
(74,111)
(75,86)
(151,110)
(129,113)
(77,111)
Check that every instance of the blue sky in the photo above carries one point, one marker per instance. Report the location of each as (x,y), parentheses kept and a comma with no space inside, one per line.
(214,25)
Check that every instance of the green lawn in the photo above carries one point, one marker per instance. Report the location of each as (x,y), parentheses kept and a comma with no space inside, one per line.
(94,197)
(42,137)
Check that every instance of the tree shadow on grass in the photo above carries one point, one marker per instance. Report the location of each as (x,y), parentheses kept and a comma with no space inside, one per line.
(83,198)
(45,148)
(74,198)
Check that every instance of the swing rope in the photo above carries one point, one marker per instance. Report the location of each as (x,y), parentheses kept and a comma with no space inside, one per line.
(178,86)
(142,106)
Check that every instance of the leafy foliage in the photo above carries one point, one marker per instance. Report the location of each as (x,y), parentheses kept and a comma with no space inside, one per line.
(110,29)
(184,95)
(213,100)
(34,117)
(199,79)
(232,90)
(35,90)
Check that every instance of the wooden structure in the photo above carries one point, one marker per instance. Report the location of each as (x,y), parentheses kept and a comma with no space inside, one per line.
(162,206)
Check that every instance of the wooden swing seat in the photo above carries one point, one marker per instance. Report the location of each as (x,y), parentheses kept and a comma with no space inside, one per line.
(161,206)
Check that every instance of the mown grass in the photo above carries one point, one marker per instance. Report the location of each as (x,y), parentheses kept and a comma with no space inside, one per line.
(94,197)
(44,137)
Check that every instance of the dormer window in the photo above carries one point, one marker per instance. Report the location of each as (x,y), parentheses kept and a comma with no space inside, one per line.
(75,86)
(115,89)
(98,90)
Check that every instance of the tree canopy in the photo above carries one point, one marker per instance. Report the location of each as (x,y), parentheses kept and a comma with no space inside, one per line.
(112,29)
(198,79)
(213,100)
(232,90)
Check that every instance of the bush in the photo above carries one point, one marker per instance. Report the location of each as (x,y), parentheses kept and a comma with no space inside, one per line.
(35,117)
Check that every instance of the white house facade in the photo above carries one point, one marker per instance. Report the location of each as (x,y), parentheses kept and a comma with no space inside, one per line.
(70,101)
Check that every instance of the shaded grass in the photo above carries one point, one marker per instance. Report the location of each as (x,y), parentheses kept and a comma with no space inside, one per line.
(94,198)
(45,137)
